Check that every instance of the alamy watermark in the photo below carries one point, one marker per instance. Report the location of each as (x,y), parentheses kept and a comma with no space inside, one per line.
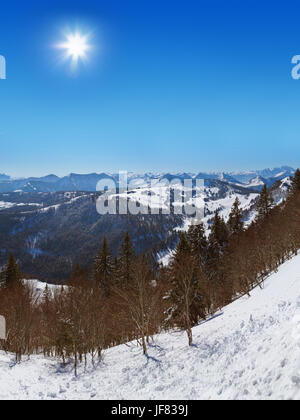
(157,196)
(2,67)
(2,328)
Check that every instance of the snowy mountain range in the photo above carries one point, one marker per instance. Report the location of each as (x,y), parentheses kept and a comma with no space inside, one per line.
(88,182)
(49,231)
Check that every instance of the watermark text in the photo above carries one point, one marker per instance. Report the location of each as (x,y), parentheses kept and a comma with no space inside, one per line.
(157,196)
(2,328)
(2,67)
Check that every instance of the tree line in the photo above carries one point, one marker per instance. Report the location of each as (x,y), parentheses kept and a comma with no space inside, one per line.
(131,298)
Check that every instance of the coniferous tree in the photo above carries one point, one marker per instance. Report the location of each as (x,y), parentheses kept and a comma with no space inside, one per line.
(197,238)
(183,247)
(126,261)
(218,242)
(219,233)
(200,254)
(235,221)
(182,250)
(12,273)
(265,204)
(198,242)
(296,181)
(103,268)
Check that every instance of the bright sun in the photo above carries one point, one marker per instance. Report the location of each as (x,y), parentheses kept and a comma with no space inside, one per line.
(76,47)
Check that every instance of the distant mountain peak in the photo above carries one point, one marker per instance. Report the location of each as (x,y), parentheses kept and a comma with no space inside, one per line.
(88,182)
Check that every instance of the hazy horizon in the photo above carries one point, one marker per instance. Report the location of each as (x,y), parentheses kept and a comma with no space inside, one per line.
(165,171)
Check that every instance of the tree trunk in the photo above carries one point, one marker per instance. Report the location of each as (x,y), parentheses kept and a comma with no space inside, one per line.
(190,336)
(144,345)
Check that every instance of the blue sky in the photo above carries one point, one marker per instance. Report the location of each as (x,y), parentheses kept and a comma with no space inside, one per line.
(170,85)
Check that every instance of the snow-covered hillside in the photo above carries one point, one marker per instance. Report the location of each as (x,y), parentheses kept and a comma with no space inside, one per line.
(251,350)
(6,205)
(39,287)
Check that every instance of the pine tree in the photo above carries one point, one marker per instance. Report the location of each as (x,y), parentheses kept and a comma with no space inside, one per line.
(218,247)
(265,204)
(12,274)
(183,247)
(126,262)
(200,253)
(103,268)
(296,182)
(235,221)
(198,242)
(219,232)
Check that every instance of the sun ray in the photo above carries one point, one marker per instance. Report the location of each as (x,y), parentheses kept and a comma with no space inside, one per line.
(75,47)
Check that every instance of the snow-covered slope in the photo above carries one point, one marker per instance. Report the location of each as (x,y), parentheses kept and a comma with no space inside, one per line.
(39,286)
(7,205)
(251,350)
